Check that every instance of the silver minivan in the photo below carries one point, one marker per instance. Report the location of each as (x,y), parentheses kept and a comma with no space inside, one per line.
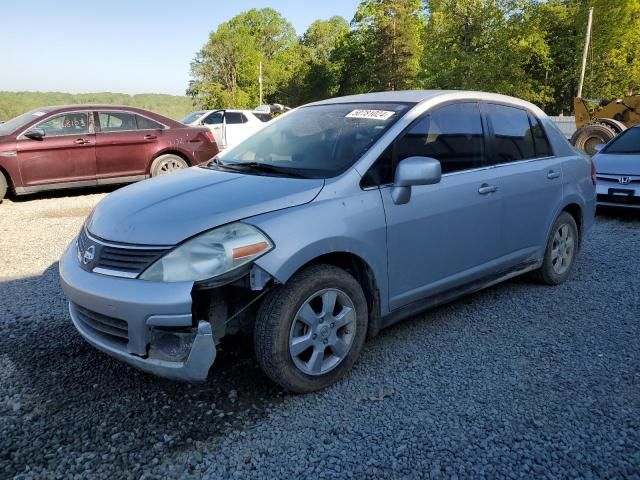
(336,220)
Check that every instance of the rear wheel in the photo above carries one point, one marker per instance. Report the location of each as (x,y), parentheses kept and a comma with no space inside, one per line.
(3,186)
(168,163)
(310,331)
(587,137)
(561,251)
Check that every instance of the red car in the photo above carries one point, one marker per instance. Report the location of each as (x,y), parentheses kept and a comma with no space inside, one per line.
(84,145)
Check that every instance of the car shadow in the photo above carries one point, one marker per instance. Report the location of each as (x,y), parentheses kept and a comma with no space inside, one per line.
(54,387)
(619,213)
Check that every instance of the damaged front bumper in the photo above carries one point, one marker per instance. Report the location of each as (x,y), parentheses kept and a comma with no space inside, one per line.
(148,325)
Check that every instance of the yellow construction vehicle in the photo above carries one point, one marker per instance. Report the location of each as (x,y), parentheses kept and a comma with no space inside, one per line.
(598,121)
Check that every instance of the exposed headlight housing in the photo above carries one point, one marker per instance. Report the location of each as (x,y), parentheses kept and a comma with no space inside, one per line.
(210,254)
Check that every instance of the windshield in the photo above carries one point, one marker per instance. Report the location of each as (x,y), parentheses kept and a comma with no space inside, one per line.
(20,121)
(192,117)
(319,141)
(627,142)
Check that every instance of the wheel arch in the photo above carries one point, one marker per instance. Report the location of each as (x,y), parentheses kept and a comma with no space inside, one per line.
(576,212)
(362,272)
(169,151)
(7,176)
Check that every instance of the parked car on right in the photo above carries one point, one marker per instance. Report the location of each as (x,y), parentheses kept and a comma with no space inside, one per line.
(229,127)
(618,170)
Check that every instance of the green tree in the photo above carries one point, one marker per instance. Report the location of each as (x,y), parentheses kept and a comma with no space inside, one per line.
(383,49)
(317,76)
(486,45)
(13,104)
(225,71)
(614,59)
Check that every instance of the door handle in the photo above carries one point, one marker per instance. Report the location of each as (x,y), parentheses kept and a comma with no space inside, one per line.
(80,141)
(486,189)
(551,174)
(150,137)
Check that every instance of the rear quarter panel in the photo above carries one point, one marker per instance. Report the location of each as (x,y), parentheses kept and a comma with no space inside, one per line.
(191,142)
(578,187)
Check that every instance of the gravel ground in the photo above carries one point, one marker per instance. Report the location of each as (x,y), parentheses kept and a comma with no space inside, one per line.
(517,381)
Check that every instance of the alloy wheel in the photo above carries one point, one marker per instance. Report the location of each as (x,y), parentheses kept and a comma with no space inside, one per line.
(562,249)
(322,332)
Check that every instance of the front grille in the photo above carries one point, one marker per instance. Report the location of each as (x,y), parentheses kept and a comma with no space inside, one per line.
(127,260)
(110,258)
(616,178)
(114,328)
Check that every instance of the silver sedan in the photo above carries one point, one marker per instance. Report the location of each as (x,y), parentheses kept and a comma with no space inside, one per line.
(618,170)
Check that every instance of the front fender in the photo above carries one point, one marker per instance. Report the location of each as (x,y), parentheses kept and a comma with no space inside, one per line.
(354,224)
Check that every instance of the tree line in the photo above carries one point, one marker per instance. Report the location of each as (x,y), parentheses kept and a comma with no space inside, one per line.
(13,104)
(530,49)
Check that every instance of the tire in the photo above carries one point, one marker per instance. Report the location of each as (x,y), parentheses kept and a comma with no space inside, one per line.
(284,320)
(168,163)
(556,269)
(3,186)
(587,137)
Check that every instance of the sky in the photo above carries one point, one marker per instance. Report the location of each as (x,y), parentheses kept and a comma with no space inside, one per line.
(135,46)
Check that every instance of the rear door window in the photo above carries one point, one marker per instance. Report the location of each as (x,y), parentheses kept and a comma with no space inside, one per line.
(233,118)
(116,121)
(540,140)
(513,138)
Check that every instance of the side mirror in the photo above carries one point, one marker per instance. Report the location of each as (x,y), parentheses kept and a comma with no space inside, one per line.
(414,171)
(35,133)
(598,148)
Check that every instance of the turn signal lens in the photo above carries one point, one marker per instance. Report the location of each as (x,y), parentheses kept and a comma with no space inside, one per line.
(249,250)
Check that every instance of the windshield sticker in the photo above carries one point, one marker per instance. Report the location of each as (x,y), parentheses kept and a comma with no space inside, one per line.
(371,114)
(38,114)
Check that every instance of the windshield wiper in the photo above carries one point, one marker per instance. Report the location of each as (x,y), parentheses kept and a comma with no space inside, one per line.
(261,167)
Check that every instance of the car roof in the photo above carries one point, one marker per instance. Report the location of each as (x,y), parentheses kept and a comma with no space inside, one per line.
(419,96)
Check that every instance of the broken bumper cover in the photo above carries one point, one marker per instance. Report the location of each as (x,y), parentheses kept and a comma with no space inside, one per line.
(119,317)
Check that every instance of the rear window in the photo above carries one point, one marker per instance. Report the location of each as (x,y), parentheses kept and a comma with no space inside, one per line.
(626,142)
(264,117)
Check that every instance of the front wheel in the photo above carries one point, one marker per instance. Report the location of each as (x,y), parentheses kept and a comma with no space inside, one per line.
(561,251)
(168,163)
(310,331)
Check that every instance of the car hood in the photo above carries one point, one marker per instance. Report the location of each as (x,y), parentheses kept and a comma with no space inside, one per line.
(617,164)
(169,209)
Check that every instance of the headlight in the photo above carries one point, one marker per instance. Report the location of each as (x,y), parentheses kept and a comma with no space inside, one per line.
(210,254)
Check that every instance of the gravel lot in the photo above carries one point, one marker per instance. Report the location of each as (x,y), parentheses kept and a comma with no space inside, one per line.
(517,381)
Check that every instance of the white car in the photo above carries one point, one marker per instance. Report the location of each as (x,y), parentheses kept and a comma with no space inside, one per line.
(229,127)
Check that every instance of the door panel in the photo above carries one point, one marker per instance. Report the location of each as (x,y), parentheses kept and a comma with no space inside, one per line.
(532,193)
(215,122)
(447,235)
(65,154)
(122,149)
(532,180)
(121,154)
(236,128)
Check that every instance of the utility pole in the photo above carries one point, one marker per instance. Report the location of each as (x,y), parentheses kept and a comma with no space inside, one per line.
(260,82)
(586,51)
